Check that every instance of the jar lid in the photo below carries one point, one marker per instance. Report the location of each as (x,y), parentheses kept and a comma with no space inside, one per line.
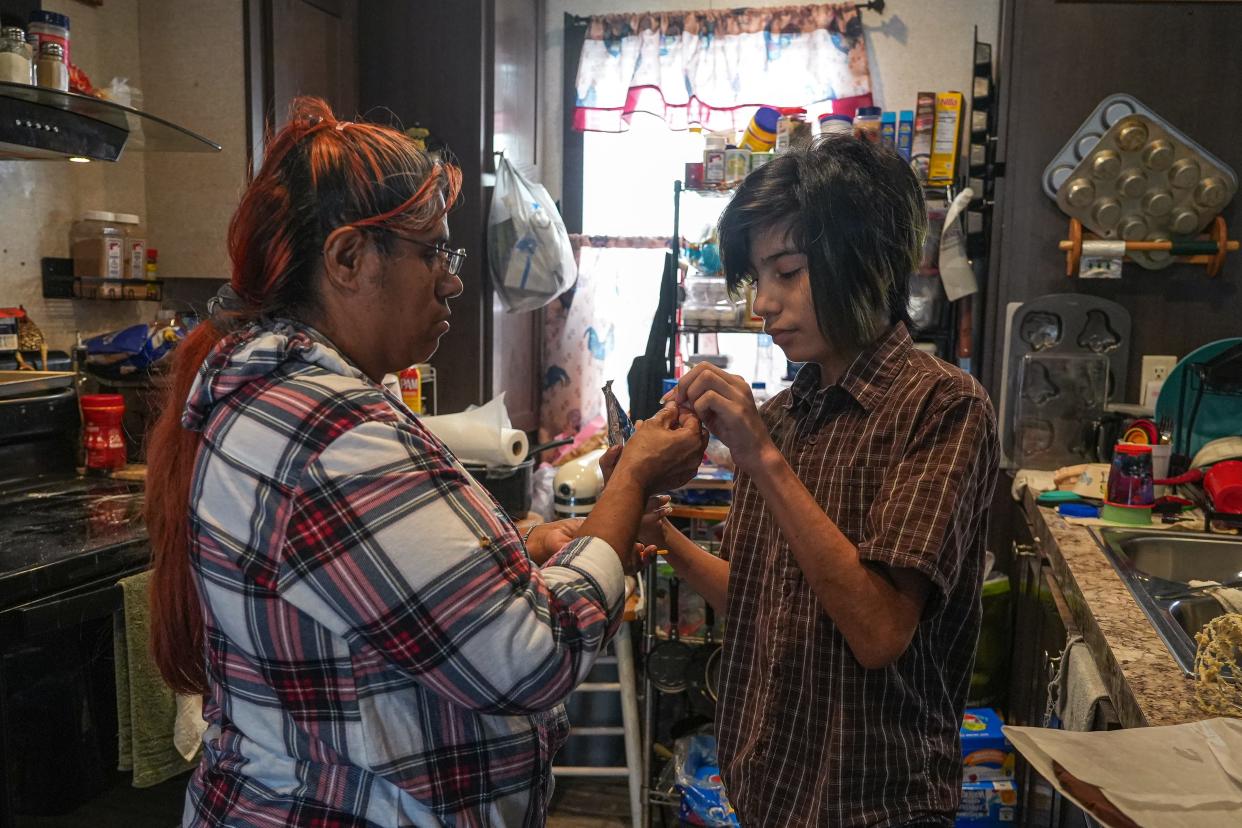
(51,18)
(102,400)
(13,33)
(98,215)
(52,49)
(126,218)
(1132,448)
(835,116)
(869,110)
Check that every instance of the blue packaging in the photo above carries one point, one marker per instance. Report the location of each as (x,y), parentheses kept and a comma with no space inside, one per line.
(989,804)
(986,753)
(905,133)
(888,129)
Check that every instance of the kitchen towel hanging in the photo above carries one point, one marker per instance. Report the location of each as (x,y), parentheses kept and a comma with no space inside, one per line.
(159,733)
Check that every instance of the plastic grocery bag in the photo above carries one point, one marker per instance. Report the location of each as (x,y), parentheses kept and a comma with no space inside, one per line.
(528,248)
(703,800)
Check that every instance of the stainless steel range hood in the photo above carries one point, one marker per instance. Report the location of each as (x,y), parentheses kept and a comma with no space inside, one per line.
(44,124)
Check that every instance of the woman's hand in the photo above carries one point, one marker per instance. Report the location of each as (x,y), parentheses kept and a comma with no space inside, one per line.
(546,539)
(664,453)
(724,403)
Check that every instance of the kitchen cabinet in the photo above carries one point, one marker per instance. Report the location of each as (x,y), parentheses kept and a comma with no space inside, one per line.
(468,72)
(1042,624)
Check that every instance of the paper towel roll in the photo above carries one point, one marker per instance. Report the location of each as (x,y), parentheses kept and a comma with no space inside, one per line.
(481,435)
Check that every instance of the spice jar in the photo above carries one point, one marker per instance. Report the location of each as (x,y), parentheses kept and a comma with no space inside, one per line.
(49,27)
(15,56)
(97,244)
(51,71)
(101,431)
(134,257)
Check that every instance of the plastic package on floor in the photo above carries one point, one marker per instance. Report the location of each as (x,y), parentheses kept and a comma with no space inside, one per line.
(703,800)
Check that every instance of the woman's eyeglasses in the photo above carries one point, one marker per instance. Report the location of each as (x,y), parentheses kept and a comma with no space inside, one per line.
(452,259)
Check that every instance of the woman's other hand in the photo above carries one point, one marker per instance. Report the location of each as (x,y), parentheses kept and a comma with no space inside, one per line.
(725,404)
(546,539)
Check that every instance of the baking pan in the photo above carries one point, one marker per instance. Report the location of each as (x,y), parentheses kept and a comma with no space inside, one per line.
(30,383)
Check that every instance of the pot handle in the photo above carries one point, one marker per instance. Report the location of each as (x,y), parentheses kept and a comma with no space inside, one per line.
(1192,476)
(564,441)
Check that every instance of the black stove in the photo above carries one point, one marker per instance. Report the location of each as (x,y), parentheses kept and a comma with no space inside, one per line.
(58,532)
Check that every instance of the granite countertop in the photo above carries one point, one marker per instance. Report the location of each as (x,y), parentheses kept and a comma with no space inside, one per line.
(1146,685)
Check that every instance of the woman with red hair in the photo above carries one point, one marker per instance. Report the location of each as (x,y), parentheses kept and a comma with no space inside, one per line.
(374,640)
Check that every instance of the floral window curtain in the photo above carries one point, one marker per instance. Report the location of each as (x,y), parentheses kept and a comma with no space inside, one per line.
(593,332)
(714,68)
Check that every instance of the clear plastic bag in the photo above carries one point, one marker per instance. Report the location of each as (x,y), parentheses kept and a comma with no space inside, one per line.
(528,249)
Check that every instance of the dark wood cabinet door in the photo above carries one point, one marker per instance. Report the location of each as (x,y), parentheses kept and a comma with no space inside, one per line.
(517,339)
(300,47)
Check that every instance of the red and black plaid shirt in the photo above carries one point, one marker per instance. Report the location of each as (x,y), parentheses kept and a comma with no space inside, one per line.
(902,455)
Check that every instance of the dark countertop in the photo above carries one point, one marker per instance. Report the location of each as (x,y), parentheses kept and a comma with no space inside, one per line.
(60,532)
(1146,685)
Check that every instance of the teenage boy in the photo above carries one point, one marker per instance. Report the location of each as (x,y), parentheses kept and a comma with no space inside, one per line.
(852,559)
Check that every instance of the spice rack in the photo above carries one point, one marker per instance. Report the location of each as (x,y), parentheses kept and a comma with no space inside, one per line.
(1208,250)
(60,283)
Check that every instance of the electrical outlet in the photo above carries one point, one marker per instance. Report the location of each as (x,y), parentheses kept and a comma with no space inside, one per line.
(1155,370)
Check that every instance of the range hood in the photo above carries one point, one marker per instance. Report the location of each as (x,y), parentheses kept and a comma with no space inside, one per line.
(45,124)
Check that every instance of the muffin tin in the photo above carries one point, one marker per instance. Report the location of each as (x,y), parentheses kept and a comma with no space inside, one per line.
(1128,174)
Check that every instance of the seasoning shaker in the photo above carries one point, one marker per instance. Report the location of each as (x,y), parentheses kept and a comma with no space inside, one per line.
(51,70)
(15,56)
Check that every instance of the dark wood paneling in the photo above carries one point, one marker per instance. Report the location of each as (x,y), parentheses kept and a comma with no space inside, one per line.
(516,339)
(424,63)
(1059,61)
(515,72)
(571,139)
(314,52)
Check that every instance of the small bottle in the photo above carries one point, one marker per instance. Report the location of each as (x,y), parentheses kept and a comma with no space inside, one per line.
(15,56)
(867,124)
(153,264)
(412,389)
(831,123)
(761,132)
(51,71)
(134,255)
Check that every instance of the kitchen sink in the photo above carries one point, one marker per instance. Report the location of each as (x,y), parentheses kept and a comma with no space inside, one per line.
(1157,565)
(1181,559)
(1192,614)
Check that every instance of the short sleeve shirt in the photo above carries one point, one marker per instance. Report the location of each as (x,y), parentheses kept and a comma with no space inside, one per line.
(901,453)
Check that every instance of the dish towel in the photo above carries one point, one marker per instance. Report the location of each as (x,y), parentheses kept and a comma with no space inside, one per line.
(1229,598)
(158,732)
(1076,690)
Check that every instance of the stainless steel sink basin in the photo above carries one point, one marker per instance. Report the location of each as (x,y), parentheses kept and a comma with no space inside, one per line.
(1155,564)
(1192,614)
(1182,558)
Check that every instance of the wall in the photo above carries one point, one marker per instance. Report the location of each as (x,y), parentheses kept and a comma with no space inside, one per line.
(1187,74)
(194,63)
(39,199)
(914,46)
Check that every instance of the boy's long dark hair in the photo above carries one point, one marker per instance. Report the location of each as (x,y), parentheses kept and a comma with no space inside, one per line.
(856,210)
